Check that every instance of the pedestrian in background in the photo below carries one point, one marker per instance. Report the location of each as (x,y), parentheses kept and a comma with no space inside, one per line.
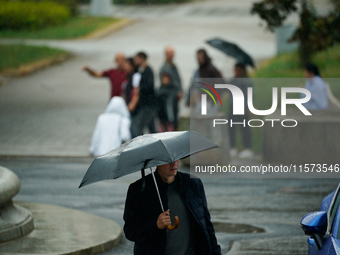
(112,128)
(167,103)
(145,110)
(206,69)
(170,68)
(116,75)
(131,86)
(243,82)
(317,88)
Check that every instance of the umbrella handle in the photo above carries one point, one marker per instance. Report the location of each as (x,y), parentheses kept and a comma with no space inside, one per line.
(173,227)
(170,227)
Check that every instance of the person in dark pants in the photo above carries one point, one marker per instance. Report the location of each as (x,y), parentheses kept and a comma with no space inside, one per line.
(171,69)
(183,196)
(167,103)
(144,113)
(131,87)
(242,81)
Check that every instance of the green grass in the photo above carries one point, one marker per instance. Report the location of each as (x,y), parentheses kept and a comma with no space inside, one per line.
(14,56)
(287,66)
(74,28)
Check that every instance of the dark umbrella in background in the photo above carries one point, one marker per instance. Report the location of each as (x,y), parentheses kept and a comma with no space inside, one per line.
(232,50)
(146,151)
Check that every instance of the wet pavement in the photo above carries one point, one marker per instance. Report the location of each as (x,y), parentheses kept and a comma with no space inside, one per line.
(252,216)
(53,113)
(60,230)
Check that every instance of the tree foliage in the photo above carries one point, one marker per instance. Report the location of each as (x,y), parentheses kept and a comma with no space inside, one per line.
(314,33)
(274,12)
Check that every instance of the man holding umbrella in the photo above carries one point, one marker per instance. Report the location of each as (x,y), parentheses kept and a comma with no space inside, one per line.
(151,199)
(146,221)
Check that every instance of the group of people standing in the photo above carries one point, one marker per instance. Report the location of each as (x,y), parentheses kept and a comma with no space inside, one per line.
(133,80)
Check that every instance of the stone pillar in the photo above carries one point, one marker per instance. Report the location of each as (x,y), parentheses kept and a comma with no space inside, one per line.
(101,8)
(15,221)
(284,33)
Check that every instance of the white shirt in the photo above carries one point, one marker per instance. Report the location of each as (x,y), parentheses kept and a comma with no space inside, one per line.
(136,79)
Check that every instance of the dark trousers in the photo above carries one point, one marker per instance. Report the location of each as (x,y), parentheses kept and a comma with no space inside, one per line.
(144,117)
(176,107)
(245,130)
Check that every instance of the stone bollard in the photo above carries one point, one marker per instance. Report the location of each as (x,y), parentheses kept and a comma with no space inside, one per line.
(283,34)
(15,221)
(101,8)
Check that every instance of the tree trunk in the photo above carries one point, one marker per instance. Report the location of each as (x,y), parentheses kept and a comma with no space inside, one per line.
(304,49)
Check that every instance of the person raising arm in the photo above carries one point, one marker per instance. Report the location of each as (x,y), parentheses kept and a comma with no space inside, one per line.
(116,75)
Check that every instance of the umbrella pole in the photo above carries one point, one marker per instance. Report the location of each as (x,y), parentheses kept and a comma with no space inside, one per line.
(159,196)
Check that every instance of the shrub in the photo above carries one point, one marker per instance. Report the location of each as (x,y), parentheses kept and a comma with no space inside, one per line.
(31,15)
(141,1)
(70,4)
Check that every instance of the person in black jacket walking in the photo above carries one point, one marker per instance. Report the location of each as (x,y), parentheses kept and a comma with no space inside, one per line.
(144,113)
(182,196)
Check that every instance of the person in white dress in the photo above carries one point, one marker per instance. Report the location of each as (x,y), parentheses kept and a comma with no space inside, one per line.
(112,128)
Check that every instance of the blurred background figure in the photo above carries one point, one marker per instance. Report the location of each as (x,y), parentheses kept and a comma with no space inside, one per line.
(116,75)
(170,68)
(143,115)
(205,67)
(112,128)
(317,87)
(167,103)
(205,70)
(242,81)
(131,86)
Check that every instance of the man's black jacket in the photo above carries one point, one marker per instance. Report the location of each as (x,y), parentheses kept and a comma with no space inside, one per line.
(147,88)
(142,209)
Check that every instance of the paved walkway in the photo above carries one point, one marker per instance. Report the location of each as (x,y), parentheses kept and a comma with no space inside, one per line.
(53,112)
